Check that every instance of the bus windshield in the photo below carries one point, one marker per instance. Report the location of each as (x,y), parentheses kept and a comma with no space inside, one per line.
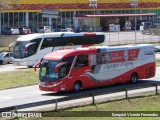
(20,51)
(47,71)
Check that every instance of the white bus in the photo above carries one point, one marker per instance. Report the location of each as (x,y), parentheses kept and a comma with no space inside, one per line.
(30,49)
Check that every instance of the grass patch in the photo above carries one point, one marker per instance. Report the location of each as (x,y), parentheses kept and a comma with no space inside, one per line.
(134,104)
(143,104)
(4,49)
(18,78)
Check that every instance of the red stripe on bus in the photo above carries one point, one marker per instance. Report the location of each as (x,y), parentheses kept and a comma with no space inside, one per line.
(89,34)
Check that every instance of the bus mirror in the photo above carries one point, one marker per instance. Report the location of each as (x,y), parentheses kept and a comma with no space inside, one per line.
(28,45)
(58,66)
(35,66)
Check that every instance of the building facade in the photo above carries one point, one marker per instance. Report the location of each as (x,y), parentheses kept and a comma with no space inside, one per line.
(28,13)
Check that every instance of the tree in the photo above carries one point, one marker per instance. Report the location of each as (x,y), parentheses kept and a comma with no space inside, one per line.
(7,4)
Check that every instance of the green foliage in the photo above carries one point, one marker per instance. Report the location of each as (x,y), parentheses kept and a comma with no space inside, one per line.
(141,104)
(18,78)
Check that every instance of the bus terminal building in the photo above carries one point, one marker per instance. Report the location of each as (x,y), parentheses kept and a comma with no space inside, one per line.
(85,15)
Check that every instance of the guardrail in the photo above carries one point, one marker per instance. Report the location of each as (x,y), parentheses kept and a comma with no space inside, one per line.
(91,94)
(130,37)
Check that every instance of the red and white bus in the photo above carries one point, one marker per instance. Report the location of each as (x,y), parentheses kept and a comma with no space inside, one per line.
(30,49)
(73,70)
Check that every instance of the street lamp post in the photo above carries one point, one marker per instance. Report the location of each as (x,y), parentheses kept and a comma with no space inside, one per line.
(93,3)
(134,3)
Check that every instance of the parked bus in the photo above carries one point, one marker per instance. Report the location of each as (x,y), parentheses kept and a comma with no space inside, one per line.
(30,49)
(73,70)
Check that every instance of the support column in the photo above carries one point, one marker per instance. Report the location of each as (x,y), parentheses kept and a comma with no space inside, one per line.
(27,19)
(75,23)
(0,25)
(50,21)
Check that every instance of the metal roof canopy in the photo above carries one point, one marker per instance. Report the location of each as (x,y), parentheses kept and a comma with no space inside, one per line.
(114,15)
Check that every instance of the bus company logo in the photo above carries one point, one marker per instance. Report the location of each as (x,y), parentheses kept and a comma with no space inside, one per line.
(70,44)
(6,114)
(64,48)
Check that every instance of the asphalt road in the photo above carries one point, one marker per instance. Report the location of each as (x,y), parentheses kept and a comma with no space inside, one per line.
(29,94)
(11,67)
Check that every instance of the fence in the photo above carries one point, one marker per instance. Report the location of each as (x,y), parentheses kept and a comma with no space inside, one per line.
(91,95)
(130,37)
(152,31)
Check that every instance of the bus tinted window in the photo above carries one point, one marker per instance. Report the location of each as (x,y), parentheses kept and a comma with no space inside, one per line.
(82,60)
(79,40)
(47,42)
(74,40)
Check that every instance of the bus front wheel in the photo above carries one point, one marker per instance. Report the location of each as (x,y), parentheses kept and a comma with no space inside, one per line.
(77,86)
(134,78)
(30,66)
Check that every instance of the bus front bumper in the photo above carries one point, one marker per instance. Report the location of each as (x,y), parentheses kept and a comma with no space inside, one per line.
(21,62)
(50,87)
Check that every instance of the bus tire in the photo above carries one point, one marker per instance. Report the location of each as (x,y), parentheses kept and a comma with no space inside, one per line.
(30,66)
(1,62)
(77,86)
(134,78)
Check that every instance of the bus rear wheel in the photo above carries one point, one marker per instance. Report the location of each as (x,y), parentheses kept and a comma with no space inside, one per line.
(77,86)
(134,78)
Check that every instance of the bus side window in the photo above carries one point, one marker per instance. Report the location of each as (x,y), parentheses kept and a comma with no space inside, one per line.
(82,60)
(126,55)
(98,59)
(47,42)
(91,59)
(103,58)
(106,57)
